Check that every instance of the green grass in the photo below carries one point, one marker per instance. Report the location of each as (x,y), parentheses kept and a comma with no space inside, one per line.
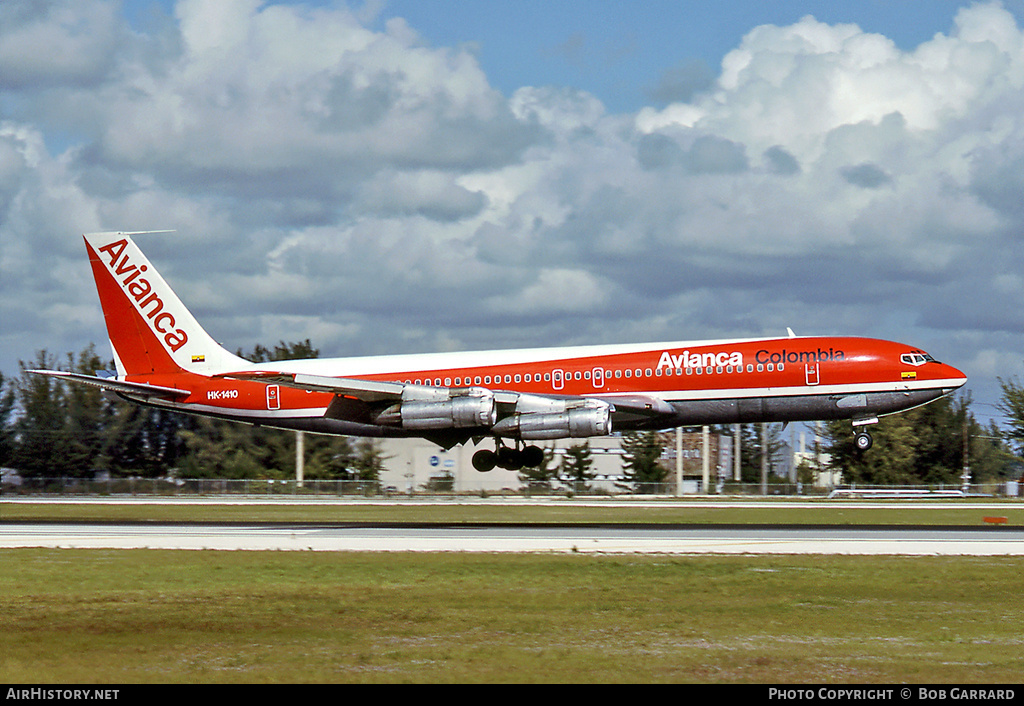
(121,617)
(823,512)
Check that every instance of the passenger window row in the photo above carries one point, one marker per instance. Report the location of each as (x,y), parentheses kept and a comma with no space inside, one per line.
(559,376)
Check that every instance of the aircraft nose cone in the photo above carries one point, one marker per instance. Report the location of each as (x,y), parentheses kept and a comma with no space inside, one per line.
(955,377)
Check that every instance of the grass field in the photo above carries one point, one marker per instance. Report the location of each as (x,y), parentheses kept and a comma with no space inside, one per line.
(820,512)
(144,616)
(140,616)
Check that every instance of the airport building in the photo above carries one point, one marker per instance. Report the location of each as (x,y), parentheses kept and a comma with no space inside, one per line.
(417,465)
(414,465)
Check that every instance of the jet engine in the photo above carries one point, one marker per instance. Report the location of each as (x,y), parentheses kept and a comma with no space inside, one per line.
(435,408)
(548,418)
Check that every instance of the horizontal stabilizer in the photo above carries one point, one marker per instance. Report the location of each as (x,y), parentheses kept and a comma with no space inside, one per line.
(131,388)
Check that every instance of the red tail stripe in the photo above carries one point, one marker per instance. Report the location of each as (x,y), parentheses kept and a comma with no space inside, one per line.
(137,347)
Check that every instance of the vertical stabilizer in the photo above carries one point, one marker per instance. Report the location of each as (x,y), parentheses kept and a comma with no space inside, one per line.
(150,330)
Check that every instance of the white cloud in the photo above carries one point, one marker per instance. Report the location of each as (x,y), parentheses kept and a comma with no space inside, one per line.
(329,180)
(310,96)
(792,85)
(44,44)
(555,290)
(432,194)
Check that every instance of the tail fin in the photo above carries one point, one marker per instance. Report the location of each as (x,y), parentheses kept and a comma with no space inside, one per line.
(150,330)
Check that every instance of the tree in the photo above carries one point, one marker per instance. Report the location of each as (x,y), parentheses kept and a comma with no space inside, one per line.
(889,462)
(328,458)
(989,455)
(60,430)
(643,469)
(65,429)
(540,476)
(145,441)
(87,416)
(367,461)
(923,445)
(6,422)
(217,449)
(220,449)
(753,450)
(282,351)
(576,465)
(1012,407)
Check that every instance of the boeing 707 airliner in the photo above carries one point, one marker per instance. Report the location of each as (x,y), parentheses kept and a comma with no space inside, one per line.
(163,357)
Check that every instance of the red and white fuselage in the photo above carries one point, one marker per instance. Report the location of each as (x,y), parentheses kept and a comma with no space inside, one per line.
(165,358)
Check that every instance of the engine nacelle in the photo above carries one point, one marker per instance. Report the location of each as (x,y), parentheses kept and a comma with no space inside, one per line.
(472,407)
(592,419)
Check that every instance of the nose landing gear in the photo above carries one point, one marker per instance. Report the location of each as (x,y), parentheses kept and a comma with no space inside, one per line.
(862,439)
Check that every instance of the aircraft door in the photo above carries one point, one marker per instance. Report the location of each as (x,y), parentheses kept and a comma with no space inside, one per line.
(273,397)
(598,374)
(557,379)
(811,373)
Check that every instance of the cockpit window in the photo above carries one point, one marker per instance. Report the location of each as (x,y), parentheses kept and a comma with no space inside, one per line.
(916,358)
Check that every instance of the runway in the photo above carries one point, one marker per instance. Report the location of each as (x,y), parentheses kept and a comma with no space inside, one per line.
(931,541)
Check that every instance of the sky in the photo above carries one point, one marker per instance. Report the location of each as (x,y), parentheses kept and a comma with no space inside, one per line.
(400,176)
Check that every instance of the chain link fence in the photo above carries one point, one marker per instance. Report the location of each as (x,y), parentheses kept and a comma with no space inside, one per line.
(255,487)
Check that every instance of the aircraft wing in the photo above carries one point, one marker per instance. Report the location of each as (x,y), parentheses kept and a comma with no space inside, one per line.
(633,407)
(138,389)
(365,390)
(381,403)
(369,391)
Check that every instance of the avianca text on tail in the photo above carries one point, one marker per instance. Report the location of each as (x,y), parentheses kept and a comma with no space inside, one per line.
(141,291)
(165,358)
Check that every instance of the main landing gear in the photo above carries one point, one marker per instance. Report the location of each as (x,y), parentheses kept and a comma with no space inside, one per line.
(508,458)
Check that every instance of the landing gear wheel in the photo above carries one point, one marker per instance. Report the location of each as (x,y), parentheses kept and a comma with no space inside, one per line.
(485,460)
(863,441)
(533,456)
(510,459)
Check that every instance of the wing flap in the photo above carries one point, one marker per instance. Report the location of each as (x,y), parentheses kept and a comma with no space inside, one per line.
(637,405)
